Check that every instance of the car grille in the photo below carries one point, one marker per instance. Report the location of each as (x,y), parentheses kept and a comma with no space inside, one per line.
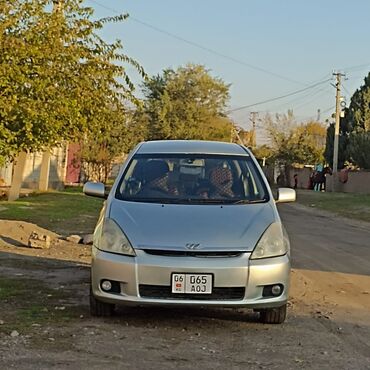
(191,253)
(218,294)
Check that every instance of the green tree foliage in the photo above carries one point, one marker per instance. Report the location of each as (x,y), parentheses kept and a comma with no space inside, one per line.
(359,148)
(353,130)
(359,108)
(117,136)
(295,143)
(343,143)
(58,79)
(264,152)
(187,103)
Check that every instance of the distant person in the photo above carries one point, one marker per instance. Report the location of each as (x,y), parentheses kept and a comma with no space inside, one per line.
(279,179)
(310,184)
(319,178)
(295,177)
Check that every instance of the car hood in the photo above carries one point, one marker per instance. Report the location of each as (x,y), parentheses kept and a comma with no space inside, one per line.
(173,226)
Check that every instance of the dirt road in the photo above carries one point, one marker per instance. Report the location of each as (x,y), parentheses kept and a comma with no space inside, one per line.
(44,320)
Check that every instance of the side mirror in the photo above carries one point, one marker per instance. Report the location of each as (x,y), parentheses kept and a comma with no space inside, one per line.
(285,195)
(95,189)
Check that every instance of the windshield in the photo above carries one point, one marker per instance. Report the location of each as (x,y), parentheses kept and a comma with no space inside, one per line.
(185,178)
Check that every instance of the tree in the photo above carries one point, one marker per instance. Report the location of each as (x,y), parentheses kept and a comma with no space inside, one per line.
(59,80)
(358,112)
(263,153)
(342,146)
(187,103)
(247,137)
(119,134)
(295,143)
(352,130)
(359,148)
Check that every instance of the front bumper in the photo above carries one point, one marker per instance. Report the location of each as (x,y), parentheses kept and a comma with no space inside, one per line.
(234,275)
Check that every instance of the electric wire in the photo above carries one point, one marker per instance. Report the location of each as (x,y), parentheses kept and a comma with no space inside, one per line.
(346,90)
(357,67)
(317,95)
(328,109)
(235,60)
(204,48)
(301,100)
(278,97)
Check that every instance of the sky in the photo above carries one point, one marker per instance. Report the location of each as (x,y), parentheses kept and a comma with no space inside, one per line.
(263,48)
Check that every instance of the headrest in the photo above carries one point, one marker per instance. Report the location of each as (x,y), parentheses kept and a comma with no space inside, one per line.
(220,176)
(155,169)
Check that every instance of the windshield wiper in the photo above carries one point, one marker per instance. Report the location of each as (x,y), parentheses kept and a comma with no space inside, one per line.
(151,200)
(249,201)
(205,200)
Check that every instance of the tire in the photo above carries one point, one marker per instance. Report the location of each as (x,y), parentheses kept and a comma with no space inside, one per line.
(99,308)
(275,315)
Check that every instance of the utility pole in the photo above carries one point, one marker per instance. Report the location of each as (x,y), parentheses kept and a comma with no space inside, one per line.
(337,120)
(253,117)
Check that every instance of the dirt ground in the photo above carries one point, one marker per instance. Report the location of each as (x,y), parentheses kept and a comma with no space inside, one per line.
(45,322)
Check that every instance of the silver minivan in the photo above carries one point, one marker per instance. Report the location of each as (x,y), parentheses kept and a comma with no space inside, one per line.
(191,223)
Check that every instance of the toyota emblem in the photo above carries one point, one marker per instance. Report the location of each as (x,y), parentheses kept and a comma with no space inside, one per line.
(192,246)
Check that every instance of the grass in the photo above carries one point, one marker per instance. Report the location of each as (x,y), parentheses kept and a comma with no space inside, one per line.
(355,206)
(65,212)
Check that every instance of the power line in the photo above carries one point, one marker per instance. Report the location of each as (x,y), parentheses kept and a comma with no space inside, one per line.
(278,97)
(351,101)
(357,67)
(235,60)
(301,99)
(328,109)
(204,48)
(215,52)
(346,90)
(314,97)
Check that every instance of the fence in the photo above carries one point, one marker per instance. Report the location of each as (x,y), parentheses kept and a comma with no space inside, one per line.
(355,182)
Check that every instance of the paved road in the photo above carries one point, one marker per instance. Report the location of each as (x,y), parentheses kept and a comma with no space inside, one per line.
(321,241)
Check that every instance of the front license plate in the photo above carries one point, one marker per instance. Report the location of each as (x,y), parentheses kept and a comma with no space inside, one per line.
(192,283)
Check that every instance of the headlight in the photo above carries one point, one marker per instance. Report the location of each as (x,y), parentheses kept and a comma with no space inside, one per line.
(109,237)
(273,243)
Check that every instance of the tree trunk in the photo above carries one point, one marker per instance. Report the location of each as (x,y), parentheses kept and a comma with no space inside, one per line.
(44,171)
(17,180)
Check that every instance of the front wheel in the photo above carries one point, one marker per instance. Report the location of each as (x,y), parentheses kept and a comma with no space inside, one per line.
(275,315)
(99,308)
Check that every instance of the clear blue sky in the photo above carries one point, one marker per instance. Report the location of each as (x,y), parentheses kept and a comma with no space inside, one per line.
(302,41)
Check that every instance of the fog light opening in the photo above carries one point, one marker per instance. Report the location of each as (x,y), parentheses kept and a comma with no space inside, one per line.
(276,290)
(273,290)
(106,285)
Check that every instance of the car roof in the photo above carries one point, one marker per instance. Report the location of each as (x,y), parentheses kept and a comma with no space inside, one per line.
(191,147)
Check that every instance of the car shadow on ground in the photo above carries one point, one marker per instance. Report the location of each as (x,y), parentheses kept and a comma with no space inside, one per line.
(170,316)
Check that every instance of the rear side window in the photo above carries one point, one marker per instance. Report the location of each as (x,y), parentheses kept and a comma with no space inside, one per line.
(194,178)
